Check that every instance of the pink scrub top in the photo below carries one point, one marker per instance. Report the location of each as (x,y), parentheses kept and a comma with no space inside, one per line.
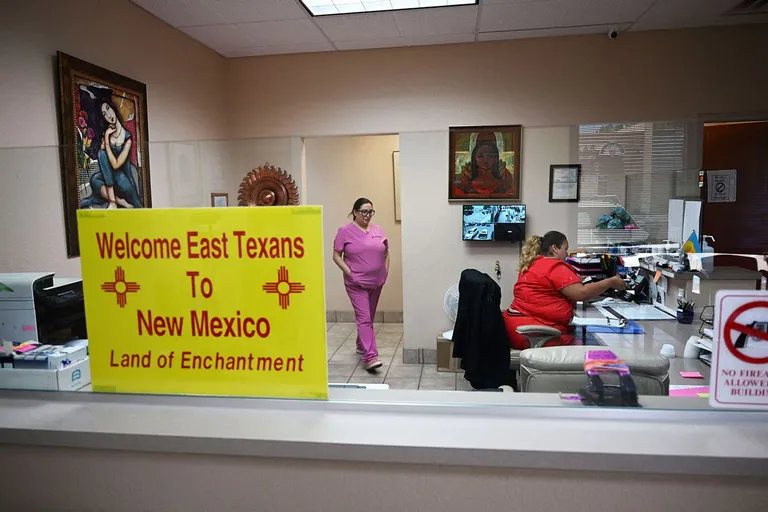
(364,253)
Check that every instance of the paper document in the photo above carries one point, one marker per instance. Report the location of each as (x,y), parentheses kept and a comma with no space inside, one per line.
(675,220)
(610,301)
(602,322)
(637,312)
(691,218)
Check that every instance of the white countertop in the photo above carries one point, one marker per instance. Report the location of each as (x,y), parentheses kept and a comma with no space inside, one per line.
(424,427)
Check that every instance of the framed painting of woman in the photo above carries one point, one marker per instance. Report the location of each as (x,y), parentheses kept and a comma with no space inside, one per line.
(104,155)
(485,163)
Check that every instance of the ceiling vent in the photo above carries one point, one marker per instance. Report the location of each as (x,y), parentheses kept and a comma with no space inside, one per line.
(746,7)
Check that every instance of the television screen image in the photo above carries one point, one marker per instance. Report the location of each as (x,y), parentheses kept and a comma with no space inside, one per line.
(488,222)
(511,214)
(478,232)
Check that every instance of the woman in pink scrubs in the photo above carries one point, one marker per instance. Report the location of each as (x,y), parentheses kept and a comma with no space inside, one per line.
(361,251)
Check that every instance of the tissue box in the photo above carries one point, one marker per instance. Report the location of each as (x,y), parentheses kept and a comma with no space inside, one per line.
(69,378)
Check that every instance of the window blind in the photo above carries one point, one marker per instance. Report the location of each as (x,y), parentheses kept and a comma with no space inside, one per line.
(637,167)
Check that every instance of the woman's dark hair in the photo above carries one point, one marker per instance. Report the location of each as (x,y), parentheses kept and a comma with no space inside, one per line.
(118,116)
(360,202)
(495,149)
(537,246)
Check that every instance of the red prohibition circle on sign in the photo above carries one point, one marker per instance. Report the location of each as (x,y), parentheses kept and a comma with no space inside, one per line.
(731,325)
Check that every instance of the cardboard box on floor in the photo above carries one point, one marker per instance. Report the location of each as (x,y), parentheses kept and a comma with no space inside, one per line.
(445,360)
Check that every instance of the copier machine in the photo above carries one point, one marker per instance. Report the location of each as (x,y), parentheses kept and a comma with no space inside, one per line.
(38,307)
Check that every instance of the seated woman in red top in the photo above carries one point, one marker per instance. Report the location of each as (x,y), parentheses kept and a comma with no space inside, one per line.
(547,289)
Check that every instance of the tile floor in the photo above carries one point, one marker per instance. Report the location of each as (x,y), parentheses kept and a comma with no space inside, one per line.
(344,365)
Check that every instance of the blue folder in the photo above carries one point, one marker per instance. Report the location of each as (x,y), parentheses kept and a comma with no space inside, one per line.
(631,328)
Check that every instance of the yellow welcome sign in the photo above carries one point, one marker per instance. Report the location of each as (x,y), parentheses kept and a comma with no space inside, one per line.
(224,301)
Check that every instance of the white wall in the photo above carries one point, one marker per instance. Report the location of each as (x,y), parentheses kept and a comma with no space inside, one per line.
(433,252)
(186,99)
(643,76)
(185,81)
(340,170)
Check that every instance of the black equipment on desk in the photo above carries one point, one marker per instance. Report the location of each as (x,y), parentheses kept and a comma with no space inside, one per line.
(60,311)
(608,264)
(638,289)
(37,307)
(599,393)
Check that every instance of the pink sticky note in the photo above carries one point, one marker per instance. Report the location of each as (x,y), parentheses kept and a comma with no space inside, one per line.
(691,375)
(689,392)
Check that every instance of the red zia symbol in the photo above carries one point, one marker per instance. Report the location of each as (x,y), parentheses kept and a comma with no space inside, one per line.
(284,288)
(120,287)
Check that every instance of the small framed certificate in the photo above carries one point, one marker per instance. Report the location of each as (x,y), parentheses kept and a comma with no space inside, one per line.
(219,199)
(564,183)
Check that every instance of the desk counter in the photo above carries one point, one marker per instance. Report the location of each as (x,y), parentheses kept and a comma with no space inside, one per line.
(511,430)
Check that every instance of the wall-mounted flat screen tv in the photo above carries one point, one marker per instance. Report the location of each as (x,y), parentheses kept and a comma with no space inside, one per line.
(494,222)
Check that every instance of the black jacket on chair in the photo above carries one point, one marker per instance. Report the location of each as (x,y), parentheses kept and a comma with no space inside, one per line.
(479,335)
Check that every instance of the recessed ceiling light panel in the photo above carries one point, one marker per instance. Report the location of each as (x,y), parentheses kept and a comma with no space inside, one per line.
(337,7)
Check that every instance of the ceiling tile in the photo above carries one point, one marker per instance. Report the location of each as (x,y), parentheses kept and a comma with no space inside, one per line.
(243,11)
(377,5)
(595,12)
(519,15)
(551,32)
(692,13)
(259,27)
(359,27)
(281,33)
(278,50)
(405,41)
(218,36)
(456,20)
(181,13)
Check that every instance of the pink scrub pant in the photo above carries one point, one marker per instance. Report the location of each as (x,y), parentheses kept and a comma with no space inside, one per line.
(364,302)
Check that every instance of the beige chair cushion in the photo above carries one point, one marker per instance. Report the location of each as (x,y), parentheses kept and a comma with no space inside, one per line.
(561,369)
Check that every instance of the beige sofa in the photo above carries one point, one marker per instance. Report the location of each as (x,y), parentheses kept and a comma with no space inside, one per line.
(561,369)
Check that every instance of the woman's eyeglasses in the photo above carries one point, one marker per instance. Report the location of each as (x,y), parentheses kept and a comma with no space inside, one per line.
(367,213)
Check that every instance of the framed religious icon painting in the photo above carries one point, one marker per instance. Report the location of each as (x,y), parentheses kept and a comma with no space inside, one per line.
(484,163)
(104,156)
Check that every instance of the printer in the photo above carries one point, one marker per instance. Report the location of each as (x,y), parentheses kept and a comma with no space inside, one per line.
(39,307)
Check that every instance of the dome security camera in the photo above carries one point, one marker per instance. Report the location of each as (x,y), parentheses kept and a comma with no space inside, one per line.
(613,33)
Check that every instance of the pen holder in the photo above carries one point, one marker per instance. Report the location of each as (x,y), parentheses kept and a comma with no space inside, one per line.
(685,316)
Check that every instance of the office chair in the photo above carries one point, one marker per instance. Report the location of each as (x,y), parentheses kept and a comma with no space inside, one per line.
(537,336)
